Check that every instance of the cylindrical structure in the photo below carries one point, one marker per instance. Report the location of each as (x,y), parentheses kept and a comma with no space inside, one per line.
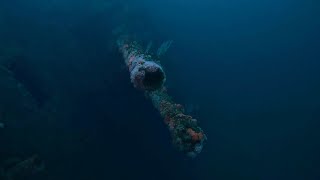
(145,73)
(187,136)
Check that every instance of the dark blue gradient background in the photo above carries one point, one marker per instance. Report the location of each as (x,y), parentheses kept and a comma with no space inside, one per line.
(251,67)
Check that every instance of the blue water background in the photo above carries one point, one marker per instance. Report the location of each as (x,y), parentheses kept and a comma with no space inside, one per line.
(252,69)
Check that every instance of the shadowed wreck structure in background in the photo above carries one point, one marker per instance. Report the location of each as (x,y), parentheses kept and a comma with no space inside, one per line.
(16,169)
(18,107)
(147,74)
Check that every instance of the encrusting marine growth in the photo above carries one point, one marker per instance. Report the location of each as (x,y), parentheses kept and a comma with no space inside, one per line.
(147,74)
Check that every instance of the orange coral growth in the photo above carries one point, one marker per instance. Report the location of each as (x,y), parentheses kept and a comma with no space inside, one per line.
(194,135)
